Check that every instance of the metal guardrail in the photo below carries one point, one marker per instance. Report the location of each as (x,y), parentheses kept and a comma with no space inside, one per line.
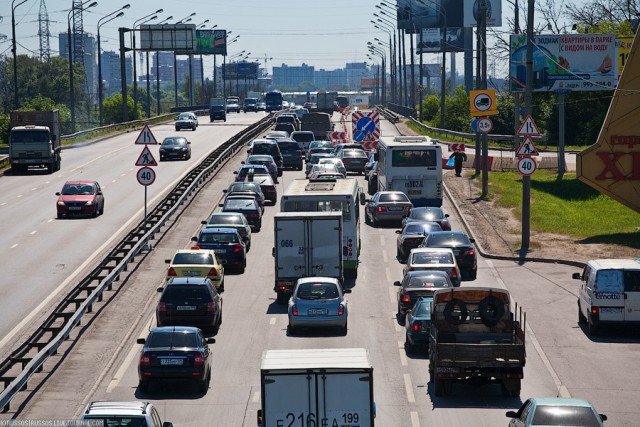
(67,314)
(116,125)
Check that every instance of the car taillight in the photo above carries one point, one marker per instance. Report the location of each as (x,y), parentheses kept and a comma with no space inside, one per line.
(213,272)
(446,226)
(469,252)
(171,272)
(162,307)
(196,247)
(405,297)
(198,360)
(415,327)
(282,288)
(145,360)
(381,209)
(340,310)
(407,208)
(237,248)
(375,174)
(454,273)
(294,310)
(211,307)
(243,231)
(594,310)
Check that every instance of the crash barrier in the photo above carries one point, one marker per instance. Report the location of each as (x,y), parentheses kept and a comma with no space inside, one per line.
(133,123)
(402,110)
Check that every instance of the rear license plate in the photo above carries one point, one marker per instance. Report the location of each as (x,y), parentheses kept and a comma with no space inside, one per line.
(395,208)
(75,208)
(317,312)
(171,362)
(191,273)
(220,251)
(456,253)
(415,192)
(186,308)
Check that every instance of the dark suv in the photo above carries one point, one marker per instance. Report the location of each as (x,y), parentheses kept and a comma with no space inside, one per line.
(189,301)
(292,154)
(270,147)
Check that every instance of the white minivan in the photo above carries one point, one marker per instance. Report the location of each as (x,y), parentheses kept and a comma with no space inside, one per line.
(609,293)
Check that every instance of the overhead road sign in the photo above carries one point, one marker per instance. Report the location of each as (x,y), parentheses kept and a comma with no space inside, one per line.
(527,148)
(146,137)
(483,102)
(146,158)
(527,166)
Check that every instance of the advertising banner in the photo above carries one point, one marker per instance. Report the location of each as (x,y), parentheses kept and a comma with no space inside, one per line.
(576,62)
(211,42)
(432,40)
(177,37)
(413,15)
(240,71)
(472,13)
(624,47)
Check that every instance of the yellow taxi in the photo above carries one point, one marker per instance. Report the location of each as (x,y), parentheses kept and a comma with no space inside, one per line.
(196,263)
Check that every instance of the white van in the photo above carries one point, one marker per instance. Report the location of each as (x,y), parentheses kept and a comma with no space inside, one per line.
(609,293)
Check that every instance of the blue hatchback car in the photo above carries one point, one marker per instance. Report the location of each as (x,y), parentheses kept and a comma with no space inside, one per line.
(418,325)
(227,245)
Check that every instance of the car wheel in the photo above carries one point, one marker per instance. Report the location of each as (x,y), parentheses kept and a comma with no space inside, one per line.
(366,218)
(282,298)
(400,315)
(60,216)
(95,213)
(409,348)
(203,386)
(594,330)
(143,386)
(102,209)
(344,330)
(177,129)
(374,221)
(291,330)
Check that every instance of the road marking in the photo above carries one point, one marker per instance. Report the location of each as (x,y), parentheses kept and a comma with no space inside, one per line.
(415,421)
(33,232)
(19,195)
(387,272)
(34,188)
(135,349)
(2,204)
(114,180)
(562,389)
(123,174)
(408,387)
(13,246)
(50,220)
(256,397)
(385,259)
(272,321)
(403,355)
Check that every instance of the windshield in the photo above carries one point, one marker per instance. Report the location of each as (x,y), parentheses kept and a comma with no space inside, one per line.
(191,258)
(174,339)
(77,189)
(184,117)
(26,136)
(432,258)
(548,415)
(311,291)
(393,197)
(421,228)
(218,238)
(447,240)
(428,281)
(174,141)
(422,309)
(117,420)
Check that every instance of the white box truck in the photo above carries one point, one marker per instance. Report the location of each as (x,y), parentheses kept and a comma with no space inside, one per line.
(317,388)
(306,244)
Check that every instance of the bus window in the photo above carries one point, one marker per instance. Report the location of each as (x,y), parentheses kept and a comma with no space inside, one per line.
(413,158)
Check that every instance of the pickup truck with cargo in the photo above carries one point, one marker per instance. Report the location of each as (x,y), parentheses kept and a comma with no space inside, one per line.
(317,388)
(34,140)
(217,109)
(318,123)
(306,244)
(474,337)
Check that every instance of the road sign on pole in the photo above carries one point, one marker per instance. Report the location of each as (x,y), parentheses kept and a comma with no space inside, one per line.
(528,127)
(483,102)
(527,148)
(146,176)
(146,137)
(527,166)
(485,125)
(146,158)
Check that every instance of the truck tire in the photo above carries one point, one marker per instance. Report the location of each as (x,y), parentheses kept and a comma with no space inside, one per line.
(281,298)
(510,388)
(438,386)
(50,168)
(491,310)
(455,305)
(58,164)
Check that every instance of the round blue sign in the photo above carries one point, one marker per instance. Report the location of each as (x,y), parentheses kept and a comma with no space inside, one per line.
(364,126)
(474,124)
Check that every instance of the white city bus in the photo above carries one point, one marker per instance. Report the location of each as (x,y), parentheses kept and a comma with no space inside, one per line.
(413,165)
(342,195)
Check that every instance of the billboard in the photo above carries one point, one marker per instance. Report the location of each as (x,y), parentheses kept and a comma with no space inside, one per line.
(432,40)
(577,62)
(624,47)
(240,71)
(181,37)
(413,15)
(472,13)
(211,42)
(432,70)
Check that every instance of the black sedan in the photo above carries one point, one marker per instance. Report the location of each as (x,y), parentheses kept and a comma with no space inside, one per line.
(419,284)
(175,147)
(175,352)
(412,235)
(462,247)
(249,207)
(429,214)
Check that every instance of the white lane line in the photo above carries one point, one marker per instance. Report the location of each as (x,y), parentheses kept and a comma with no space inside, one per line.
(392,295)
(408,387)
(385,259)
(381,240)
(50,220)
(387,272)
(33,232)
(19,195)
(256,397)
(123,174)
(272,321)
(403,355)
(415,421)
(114,180)
(562,389)
(13,246)
(34,188)
(3,203)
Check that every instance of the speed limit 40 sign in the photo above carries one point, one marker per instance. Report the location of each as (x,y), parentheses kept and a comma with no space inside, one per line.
(146,176)
(527,166)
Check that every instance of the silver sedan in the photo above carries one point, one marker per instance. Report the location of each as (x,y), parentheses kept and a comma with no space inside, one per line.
(387,206)
(318,302)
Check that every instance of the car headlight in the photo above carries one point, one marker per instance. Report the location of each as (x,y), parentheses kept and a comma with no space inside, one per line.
(90,202)
(61,203)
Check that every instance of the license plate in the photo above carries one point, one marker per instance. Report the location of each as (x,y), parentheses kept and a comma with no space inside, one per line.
(186,308)
(220,251)
(191,273)
(75,208)
(171,362)
(415,192)
(456,253)
(396,208)
(317,312)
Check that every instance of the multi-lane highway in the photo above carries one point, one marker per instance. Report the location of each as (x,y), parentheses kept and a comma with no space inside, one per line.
(41,254)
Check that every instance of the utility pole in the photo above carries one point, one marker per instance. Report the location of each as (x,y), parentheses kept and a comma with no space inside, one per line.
(516,95)
(528,106)
(482,29)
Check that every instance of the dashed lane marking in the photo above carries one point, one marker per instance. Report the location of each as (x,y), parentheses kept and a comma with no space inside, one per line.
(408,387)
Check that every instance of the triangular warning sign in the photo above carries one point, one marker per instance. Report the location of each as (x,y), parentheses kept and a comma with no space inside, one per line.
(146,137)
(146,158)
(528,127)
(527,149)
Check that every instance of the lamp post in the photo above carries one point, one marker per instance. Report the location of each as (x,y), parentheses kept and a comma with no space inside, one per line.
(164,21)
(191,92)
(378,51)
(224,63)
(175,61)
(108,18)
(72,92)
(391,32)
(143,20)
(390,12)
(13,50)
(392,21)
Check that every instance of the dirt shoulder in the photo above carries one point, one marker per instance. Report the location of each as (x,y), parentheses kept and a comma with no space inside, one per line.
(497,229)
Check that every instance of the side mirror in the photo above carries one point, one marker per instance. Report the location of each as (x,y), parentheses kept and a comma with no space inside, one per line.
(397,283)
(194,239)
(188,142)
(398,231)
(203,222)
(210,340)
(53,137)
(603,417)
(167,424)
(221,205)
(242,162)
(141,341)
(472,240)
(235,172)
(511,414)
(224,191)
(167,261)
(346,291)
(160,289)
(577,276)
(446,215)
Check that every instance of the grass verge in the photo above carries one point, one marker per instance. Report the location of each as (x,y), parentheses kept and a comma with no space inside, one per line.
(568,207)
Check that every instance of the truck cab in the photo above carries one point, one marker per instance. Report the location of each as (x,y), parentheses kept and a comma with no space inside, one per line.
(217,109)
(34,140)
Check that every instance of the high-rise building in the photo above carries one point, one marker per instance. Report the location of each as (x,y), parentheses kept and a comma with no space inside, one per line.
(290,78)
(89,61)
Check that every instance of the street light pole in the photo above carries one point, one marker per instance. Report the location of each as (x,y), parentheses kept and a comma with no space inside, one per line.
(175,62)
(108,18)
(151,17)
(14,50)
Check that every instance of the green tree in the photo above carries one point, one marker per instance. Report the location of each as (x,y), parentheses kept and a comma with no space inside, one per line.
(112,109)
(430,108)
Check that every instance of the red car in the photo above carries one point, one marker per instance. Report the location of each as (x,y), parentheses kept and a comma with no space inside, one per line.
(80,198)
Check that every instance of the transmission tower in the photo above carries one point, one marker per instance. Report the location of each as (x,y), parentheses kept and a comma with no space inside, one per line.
(43,31)
(78,32)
